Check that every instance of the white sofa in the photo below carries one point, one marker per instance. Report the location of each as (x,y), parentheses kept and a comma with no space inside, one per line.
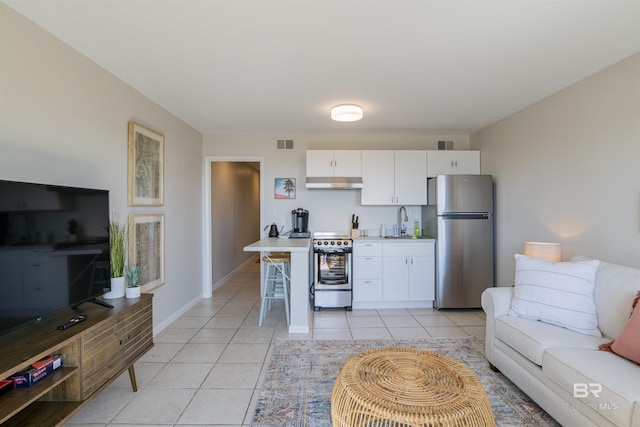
(551,364)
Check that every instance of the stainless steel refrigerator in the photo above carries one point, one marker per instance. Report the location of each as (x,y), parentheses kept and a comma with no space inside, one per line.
(459,215)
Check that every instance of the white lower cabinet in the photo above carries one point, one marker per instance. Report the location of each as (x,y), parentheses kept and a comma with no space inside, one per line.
(394,274)
(408,271)
(367,272)
(396,278)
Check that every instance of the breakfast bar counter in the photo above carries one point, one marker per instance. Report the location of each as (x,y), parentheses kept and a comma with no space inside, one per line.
(301,254)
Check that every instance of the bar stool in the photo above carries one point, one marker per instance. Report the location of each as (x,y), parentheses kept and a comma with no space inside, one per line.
(277,283)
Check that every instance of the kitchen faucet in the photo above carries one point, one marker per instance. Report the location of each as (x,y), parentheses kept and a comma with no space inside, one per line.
(406,218)
(400,218)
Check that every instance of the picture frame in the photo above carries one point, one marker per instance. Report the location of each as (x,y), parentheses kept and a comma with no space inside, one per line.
(146,166)
(285,188)
(146,248)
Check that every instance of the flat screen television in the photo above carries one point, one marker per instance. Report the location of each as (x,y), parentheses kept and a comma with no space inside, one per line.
(54,249)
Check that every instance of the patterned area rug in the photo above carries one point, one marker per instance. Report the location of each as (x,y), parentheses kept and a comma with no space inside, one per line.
(300,377)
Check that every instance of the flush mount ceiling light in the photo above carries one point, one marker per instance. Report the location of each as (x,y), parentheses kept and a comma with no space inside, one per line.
(346,113)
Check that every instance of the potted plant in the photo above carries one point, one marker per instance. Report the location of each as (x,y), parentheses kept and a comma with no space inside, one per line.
(132,277)
(118,233)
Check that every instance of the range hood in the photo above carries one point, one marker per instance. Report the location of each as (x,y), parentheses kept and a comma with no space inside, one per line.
(334,182)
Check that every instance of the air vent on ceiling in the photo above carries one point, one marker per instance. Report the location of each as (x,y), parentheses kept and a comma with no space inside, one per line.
(285,144)
(445,145)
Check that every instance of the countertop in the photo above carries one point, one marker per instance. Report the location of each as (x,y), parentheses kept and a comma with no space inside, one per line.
(269,244)
(392,239)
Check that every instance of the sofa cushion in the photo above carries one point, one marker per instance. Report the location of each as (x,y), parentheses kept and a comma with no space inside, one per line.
(531,338)
(560,294)
(597,379)
(615,287)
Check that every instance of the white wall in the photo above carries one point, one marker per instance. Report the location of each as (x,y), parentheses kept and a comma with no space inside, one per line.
(63,120)
(567,169)
(329,210)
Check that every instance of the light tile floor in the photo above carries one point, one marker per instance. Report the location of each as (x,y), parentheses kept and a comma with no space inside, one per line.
(206,368)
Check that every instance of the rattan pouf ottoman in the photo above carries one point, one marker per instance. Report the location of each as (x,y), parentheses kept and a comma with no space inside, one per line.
(408,387)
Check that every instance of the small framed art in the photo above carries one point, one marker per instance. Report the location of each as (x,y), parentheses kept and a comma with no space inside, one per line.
(285,188)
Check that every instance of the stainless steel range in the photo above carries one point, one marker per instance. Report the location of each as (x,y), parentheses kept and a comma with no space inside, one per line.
(332,271)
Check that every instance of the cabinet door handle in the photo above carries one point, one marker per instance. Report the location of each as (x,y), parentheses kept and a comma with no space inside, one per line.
(456,163)
(369,259)
(411,261)
(406,260)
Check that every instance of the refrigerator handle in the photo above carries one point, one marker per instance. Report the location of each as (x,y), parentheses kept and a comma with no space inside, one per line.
(476,215)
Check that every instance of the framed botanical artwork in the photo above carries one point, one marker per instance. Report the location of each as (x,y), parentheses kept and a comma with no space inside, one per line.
(146,166)
(285,188)
(146,248)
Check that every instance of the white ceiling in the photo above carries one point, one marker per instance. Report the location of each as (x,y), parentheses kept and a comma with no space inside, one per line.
(278,66)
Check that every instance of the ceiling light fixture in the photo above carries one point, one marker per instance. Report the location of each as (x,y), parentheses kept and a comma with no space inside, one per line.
(346,113)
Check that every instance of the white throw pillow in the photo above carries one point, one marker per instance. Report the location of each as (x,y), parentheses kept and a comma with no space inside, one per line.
(560,293)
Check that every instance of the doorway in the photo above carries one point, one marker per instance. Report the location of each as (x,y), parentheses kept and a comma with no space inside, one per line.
(233,204)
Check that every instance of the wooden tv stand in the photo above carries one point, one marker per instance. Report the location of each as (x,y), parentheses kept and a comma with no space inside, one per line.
(94,353)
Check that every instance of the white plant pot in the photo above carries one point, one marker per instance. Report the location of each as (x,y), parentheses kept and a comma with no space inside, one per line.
(117,288)
(133,292)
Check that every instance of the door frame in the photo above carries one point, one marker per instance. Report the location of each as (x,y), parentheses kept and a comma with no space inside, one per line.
(207,274)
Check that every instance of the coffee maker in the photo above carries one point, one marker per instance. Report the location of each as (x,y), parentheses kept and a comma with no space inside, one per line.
(300,224)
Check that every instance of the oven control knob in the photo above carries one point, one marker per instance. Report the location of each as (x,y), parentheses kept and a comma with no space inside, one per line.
(333,243)
(339,242)
(326,242)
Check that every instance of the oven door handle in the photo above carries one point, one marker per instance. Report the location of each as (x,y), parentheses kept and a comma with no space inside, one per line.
(333,282)
(331,251)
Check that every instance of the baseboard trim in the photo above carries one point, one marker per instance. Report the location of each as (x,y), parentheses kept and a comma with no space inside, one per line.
(222,281)
(188,306)
(176,315)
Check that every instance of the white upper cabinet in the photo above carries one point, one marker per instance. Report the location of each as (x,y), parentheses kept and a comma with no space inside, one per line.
(410,177)
(324,163)
(377,177)
(394,177)
(453,162)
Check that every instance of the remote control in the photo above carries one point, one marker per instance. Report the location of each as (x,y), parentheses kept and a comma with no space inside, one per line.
(79,318)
